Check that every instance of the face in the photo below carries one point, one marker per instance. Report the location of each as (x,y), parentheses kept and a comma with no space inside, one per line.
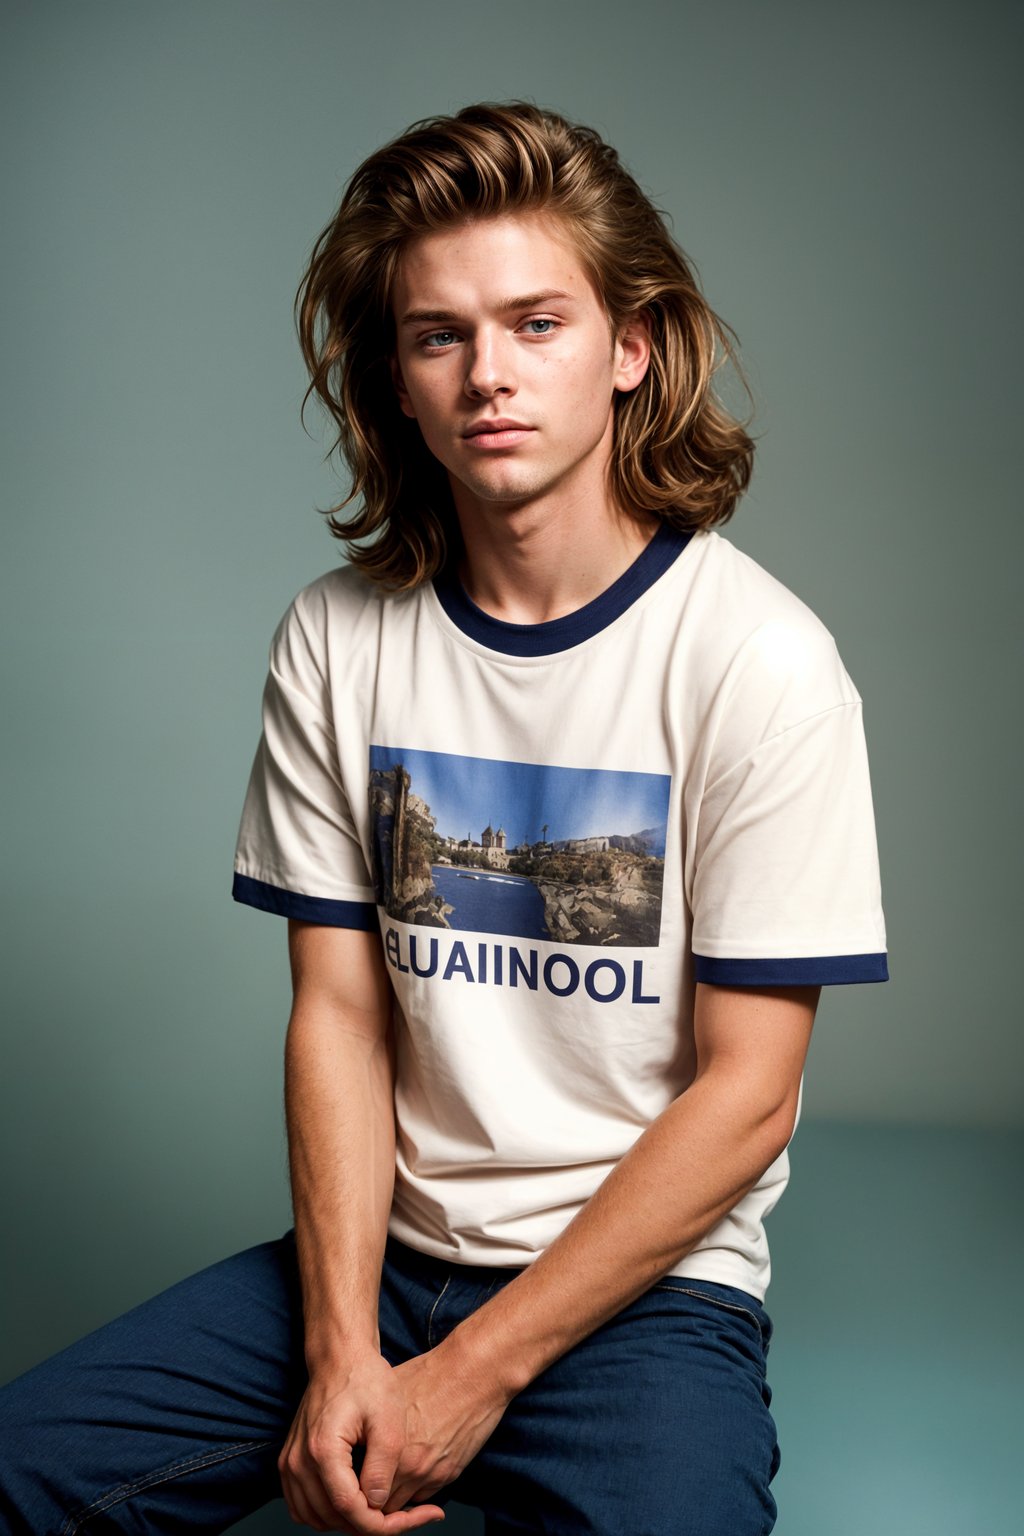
(498,326)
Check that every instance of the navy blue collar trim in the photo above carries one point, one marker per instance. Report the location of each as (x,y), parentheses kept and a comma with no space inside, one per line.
(572,628)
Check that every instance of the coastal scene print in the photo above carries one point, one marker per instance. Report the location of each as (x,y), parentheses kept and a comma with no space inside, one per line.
(574,855)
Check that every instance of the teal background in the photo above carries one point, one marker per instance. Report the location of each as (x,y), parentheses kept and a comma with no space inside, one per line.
(843,178)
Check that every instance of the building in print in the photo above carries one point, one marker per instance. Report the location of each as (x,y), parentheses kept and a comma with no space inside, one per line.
(494,847)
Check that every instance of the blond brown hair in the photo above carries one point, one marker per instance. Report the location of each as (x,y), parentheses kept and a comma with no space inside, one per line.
(676,452)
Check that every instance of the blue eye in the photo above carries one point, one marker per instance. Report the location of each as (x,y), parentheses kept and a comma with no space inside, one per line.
(437,341)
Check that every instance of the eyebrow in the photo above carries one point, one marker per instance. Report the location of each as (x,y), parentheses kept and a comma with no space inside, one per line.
(504,306)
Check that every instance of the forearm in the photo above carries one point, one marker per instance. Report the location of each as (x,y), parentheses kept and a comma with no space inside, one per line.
(339,1104)
(687,1170)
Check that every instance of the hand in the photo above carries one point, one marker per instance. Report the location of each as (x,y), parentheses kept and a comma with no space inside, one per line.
(449,1414)
(358,1401)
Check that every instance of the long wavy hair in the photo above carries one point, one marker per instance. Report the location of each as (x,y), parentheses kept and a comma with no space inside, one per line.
(676,451)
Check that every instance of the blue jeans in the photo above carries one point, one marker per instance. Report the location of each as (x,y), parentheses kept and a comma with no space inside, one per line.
(171,1417)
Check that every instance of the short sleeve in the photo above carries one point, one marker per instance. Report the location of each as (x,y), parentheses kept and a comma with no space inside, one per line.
(786,887)
(298,852)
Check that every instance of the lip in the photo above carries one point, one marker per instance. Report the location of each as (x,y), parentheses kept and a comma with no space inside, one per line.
(498,424)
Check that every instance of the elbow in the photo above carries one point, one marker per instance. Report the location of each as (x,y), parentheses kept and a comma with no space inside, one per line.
(778,1126)
(765,1112)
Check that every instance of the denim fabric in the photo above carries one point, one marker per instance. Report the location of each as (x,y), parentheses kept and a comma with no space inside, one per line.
(171,1417)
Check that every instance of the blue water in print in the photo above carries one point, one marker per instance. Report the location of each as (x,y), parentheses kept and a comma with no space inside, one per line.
(492,903)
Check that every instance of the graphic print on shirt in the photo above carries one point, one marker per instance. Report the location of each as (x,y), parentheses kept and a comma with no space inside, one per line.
(485,845)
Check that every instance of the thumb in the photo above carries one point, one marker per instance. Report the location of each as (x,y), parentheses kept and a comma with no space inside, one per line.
(379,1466)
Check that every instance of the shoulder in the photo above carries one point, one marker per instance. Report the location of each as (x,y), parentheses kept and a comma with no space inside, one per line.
(341,594)
(341,600)
(329,624)
(772,661)
(751,601)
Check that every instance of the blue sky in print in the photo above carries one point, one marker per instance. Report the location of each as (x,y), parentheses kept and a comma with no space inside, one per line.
(465,794)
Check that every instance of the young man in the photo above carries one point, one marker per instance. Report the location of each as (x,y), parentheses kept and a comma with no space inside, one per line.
(567,804)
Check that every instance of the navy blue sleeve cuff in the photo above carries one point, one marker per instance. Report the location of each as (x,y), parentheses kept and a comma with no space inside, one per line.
(308,909)
(816,970)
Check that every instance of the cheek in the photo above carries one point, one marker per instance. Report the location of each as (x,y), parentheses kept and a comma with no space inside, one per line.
(587,372)
(423,396)
(583,385)
(433,415)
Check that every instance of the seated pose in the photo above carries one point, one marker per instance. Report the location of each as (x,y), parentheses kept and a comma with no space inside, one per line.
(566,802)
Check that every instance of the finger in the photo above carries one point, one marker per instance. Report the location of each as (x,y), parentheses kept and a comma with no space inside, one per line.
(305,1491)
(345,1498)
(370,1522)
(348,1503)
(334,1488)
(424,1512)
(408,1490)
(334,1512)
(379,1466)
(301,1511)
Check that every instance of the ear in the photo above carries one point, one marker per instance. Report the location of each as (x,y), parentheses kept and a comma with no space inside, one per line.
(399,383)
(633,351)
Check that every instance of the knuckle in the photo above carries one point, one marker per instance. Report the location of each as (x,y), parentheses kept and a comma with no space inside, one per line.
(442,1472)
(318,1448)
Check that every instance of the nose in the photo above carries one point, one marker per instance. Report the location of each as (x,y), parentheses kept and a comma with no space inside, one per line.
(490,364)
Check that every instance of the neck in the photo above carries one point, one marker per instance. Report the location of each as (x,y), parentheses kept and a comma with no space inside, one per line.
(536,563)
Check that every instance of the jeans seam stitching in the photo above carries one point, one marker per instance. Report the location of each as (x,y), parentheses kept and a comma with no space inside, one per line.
(716,1301)
(430,1319)
(75,1521)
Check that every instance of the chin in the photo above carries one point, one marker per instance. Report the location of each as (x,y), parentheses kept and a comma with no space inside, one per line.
(509,490)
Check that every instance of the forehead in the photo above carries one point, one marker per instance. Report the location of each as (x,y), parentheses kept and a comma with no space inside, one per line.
(474,263)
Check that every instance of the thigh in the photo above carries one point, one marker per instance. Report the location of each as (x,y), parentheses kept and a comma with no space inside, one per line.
(658,1424)
(170,1417)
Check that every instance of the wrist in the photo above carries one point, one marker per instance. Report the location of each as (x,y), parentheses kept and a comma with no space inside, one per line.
(330,1349)
(478,1355)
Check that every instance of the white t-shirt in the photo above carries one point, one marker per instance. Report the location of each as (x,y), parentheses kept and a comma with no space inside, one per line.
(560,828)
